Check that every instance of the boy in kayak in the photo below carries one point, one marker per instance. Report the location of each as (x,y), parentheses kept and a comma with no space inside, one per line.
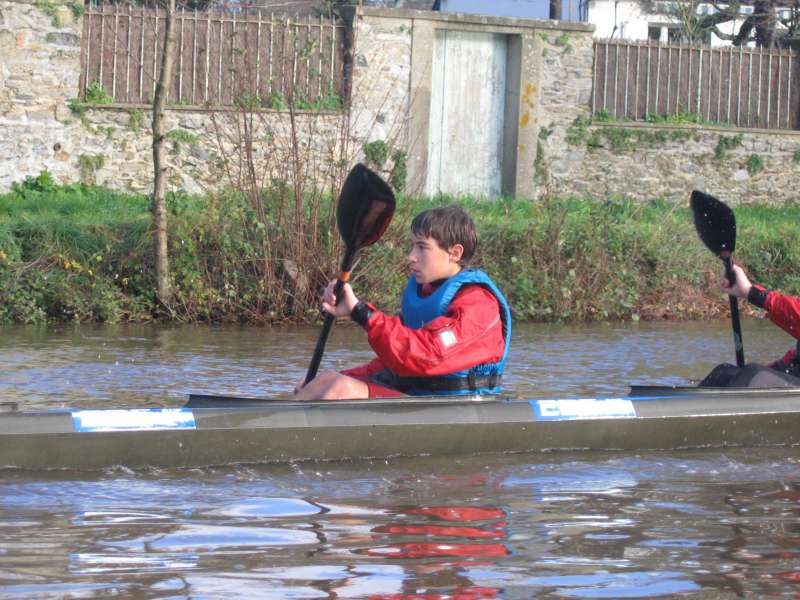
(784,311)
(453,333)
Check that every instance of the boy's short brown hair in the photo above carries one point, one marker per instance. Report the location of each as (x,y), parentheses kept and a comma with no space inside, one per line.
(448,225)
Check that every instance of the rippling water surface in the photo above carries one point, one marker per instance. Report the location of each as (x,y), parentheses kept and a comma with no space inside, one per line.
(711,524)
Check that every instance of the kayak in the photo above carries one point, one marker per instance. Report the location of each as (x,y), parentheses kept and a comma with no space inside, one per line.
(220,430)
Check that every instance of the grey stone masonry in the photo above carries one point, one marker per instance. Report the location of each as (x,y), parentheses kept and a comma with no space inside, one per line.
(557,150)
(39,70)
(646,161)
(554,96)
(40,49)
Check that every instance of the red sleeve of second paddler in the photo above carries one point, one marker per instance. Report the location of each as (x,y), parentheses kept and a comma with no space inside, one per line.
(784,360)
(784,311)
(469,334)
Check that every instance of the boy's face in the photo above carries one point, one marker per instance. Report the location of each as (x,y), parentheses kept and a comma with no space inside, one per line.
(428,261)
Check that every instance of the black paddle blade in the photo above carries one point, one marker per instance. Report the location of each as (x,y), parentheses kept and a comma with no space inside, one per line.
(716,226)
(714,222)
(365,208)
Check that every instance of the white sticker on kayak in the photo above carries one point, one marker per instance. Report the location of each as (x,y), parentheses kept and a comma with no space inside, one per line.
(134,419)
(583,408)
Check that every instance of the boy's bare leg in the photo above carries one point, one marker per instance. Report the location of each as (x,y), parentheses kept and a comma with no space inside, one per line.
(332,385)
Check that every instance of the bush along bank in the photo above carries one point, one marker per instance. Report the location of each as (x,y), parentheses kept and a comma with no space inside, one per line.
(80,253)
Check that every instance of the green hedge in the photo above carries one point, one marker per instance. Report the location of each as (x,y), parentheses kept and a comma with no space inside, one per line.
(85,253)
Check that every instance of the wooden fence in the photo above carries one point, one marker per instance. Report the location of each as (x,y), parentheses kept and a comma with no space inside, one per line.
(746,87)
(222,57)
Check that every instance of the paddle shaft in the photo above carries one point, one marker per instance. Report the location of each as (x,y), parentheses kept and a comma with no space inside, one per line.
(347,266)
(734,302)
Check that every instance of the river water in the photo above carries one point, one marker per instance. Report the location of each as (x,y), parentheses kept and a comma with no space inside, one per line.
(719,523)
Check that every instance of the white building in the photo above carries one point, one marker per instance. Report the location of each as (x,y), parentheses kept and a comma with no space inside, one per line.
(627,19)
(613,19)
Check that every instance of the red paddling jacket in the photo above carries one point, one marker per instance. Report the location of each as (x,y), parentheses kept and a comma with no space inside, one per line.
(784,311)
(467,334)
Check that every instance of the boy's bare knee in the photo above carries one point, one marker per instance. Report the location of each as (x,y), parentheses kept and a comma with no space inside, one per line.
(326,377)
(336,387)
(343,387)
(317,388)
(332,385)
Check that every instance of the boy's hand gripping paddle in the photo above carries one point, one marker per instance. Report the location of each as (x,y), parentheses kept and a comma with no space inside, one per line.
(365,208)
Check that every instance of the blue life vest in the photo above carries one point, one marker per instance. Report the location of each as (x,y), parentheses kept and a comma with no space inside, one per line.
(417,311)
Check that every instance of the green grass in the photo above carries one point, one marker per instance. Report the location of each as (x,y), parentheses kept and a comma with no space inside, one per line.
(76,219)
(84,253)
(768,244)
(77,203)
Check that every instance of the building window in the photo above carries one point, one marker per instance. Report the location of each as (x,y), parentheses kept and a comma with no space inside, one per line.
(665,8)
(654,33)
(674,34)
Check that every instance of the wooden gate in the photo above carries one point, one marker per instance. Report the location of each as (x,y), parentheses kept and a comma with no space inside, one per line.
(465,154)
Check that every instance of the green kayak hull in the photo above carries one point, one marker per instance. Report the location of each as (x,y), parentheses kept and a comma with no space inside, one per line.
(215,430)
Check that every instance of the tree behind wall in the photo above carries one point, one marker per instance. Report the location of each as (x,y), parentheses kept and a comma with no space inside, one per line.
(760,27)
(159,205)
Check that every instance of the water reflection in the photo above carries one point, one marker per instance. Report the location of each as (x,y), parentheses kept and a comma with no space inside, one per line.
(630,584)
(439,541)
(719,524)
(468,536)
(610,527)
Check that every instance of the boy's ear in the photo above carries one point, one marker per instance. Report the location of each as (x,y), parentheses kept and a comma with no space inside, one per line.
(456,251)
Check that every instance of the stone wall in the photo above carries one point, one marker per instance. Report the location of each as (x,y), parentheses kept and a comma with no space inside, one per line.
(646,161)
(564,94)
(39,70)
(552,72)
(558,150)
(641,160)
(44,129)
(381,77)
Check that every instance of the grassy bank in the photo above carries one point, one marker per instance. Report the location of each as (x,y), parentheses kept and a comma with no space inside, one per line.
(84,253)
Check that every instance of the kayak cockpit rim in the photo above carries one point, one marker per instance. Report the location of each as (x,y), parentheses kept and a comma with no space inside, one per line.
(199,400)
(654,391)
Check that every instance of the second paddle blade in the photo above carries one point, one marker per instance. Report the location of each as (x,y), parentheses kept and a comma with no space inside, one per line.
(714,222)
